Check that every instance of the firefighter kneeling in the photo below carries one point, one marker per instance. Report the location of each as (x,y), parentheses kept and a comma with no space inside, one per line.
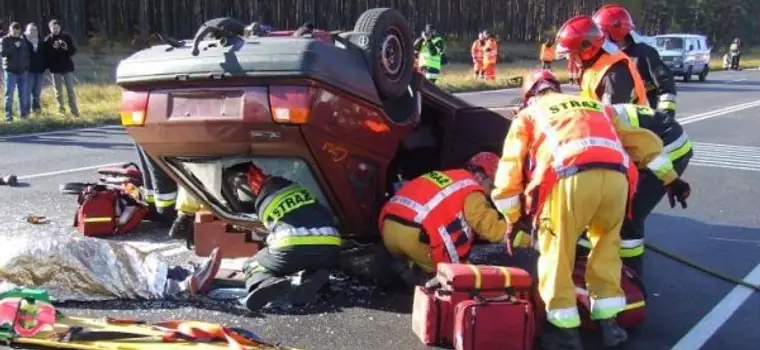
(435,217)
(571,159)
(302,237)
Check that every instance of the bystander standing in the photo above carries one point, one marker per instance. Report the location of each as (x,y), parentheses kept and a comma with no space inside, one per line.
(59,50)
(15,53)
(37,66)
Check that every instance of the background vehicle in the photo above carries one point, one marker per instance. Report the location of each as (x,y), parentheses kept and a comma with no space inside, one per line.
(346,117)
(685,54)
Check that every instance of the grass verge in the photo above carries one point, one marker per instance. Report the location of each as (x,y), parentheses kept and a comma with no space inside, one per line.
(98,105)
(99,98)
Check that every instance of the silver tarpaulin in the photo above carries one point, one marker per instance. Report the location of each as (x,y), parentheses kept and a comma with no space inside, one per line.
(82,268)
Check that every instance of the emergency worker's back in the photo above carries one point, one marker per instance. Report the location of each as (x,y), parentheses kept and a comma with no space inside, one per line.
(570,132)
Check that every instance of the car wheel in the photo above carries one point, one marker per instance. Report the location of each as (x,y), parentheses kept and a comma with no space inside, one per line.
(388,49)
(703,75)
(687,75)
(370,262)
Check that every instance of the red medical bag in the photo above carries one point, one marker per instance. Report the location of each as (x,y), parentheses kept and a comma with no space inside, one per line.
(433,314)
(504,323)
(107,211)
(635,310)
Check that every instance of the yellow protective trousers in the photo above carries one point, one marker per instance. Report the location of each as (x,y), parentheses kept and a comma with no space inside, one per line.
(595,199)
(186,203)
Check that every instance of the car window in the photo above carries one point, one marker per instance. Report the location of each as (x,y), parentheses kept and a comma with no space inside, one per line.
(670,43)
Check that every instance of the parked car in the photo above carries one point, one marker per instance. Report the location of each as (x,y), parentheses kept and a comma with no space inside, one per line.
(685,54)
(344,115)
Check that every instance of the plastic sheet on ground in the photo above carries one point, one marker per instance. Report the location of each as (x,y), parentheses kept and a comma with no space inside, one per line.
(81,268)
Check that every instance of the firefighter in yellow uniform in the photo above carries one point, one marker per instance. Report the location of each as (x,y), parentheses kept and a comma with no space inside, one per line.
(609,77)
(456,200)
(580,175)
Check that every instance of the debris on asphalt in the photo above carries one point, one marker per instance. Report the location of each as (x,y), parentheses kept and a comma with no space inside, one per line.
(36,219)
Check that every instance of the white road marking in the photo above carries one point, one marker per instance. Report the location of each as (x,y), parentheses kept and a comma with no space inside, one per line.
(719,315)
(726,156)
(57,132)
(66,171)
(719,112)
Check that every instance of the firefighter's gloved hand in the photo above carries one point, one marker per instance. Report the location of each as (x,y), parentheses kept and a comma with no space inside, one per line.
(519,235)
(678,190)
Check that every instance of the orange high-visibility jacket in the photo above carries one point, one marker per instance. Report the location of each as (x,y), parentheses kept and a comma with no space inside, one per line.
(562,135)
(547,53)
(491,52)
(435,203)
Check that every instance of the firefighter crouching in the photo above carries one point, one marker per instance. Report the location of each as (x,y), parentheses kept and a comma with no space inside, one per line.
(607,77)
(429,50)
(490,56)
(571,160)
(547,54)
(650,188)
(617,25)
(476,51)
(435,217)
(302,237)
(160,190)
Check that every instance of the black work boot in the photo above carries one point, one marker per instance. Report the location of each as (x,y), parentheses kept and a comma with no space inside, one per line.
(311,282)
(10,180)
(556,338)
(267,291)
(183,227)
(612,334)
(202,278)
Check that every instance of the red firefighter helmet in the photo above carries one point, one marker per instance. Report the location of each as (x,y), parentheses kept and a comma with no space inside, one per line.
(580,37)
(537,81)
(486,162)
(614,20)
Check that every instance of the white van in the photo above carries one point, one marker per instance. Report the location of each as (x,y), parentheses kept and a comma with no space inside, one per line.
(685,54)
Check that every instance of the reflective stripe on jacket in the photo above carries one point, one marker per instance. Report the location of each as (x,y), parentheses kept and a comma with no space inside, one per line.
(593,76)
(435,203)
(561,135)
(427,58)
(665,126)
(293,216)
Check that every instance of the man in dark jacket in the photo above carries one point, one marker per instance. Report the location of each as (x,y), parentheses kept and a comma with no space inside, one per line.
(15,53)
(59,48)
(37,65)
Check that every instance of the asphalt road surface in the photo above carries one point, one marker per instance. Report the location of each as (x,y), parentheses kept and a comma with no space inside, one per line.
(687,309)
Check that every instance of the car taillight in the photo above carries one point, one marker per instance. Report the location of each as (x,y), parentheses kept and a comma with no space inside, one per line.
(134,106)
(290,104)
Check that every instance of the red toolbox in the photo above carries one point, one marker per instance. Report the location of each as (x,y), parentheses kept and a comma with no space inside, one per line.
(504,323)
(433,314)
(635,310)
(211,232)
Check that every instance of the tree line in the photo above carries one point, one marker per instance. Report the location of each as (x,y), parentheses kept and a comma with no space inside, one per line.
(514,20)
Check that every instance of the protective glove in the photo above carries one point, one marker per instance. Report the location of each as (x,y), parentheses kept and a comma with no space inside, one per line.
(519,235)
(678,190)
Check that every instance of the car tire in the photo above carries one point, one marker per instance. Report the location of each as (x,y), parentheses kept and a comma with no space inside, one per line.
(388,49)
(687,75)
(369,262)
(703,74)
